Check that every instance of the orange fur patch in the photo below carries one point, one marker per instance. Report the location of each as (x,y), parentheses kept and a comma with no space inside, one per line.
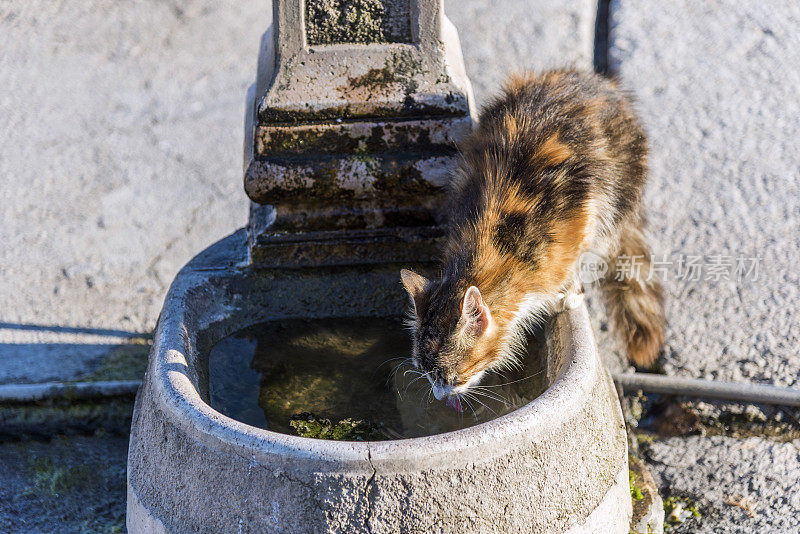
(511,126)
(570,237)
(552,152)
(517,81)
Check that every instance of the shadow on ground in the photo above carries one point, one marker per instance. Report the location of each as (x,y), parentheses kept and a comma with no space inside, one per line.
(32,353)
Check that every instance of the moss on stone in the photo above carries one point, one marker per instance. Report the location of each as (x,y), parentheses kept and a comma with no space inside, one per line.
(41,421)
(401,69)
(375,79)
(309,425)
(636,493)
(356,21)
(51,480)
(678,509)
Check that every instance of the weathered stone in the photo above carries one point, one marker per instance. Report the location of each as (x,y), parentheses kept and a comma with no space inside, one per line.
(357,21)
(346,138)
(419,76)
(648,508)
(367,246)
(558,464)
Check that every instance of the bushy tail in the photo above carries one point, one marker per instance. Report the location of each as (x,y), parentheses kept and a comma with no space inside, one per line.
(634,297)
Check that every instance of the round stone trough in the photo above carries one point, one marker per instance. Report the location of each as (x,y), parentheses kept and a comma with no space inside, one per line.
(558,464)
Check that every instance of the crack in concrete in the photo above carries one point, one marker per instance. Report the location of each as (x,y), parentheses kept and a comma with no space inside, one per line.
(367,488)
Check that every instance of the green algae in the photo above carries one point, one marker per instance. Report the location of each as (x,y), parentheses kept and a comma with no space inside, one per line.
(678,509)
(636,493)
(309,425)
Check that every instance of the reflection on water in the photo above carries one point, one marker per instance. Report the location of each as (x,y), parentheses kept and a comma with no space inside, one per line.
(292,376)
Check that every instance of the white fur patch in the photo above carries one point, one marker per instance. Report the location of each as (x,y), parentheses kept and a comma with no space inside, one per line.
(532,310)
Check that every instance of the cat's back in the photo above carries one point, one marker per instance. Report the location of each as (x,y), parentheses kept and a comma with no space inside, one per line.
(585,110)
(555,138)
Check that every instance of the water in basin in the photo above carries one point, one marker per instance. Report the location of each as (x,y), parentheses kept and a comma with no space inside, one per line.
(349,378)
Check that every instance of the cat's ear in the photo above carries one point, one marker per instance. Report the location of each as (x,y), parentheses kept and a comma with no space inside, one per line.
(414,283)
(475,312)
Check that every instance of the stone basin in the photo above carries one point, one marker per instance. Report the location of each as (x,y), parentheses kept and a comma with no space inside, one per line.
(558,464)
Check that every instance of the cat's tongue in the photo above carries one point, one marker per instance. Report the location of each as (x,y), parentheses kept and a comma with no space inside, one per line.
(455,403)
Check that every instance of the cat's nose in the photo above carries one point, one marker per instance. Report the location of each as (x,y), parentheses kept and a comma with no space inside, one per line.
(440,391)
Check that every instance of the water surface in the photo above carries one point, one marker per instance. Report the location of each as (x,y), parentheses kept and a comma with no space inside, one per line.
(355,369)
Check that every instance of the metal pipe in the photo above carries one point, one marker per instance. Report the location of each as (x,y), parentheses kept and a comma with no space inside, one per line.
(24,393)
(694,387)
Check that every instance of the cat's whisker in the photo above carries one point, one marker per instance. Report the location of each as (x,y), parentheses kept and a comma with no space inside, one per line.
(487,391)
(404,361)
(476,399)
(508,383)
(397,358)
(395,370)
(488,395)
(471,407)
(405,389)
(412,371)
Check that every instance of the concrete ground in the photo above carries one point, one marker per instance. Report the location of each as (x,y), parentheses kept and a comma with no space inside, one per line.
(120,158)
(503,36)
(741,486)
(68,484)
(716,85)
(717,90)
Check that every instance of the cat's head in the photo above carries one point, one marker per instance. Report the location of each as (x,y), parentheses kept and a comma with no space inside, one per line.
(455,337)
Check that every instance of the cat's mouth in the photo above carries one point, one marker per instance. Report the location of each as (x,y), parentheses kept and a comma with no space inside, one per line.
(454,402)
(452,394)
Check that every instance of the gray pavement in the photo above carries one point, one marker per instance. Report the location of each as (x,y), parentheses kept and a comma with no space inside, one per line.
(503,36)
(762,475)
(120,158)
(716,85)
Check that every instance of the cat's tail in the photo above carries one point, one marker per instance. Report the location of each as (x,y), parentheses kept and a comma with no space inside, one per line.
(634,296)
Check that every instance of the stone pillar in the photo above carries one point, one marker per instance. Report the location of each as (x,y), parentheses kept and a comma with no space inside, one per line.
(351,131)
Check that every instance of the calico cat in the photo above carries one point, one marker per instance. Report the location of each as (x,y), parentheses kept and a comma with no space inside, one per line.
(556,168)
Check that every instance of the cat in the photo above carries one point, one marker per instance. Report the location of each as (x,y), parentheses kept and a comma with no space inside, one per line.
(555,168)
